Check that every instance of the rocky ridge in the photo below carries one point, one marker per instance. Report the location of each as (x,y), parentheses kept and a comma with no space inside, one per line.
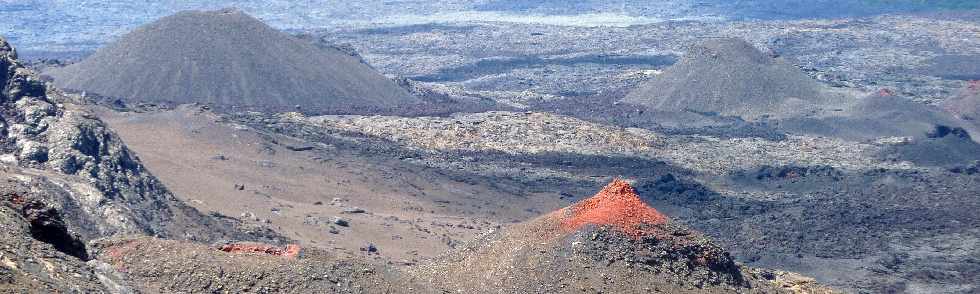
(499,131)
(155,265)
(59,151)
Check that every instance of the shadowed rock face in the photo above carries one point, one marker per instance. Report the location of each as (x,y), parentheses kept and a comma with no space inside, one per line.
(731,77)
(229,58)
(39,254)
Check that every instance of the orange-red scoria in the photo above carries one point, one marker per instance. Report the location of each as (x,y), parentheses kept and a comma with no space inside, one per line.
(617,205)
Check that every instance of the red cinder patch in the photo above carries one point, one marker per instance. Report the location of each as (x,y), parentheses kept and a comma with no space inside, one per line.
(617,205)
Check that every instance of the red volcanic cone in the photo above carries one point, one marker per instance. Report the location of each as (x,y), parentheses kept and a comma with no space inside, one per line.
(618,206)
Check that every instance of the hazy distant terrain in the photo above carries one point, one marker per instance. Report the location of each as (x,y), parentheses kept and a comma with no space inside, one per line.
(896,52)
(49,25)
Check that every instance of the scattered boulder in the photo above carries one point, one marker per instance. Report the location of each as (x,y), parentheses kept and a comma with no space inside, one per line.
(353,210)
(340,221)
(299,148)
(370,248)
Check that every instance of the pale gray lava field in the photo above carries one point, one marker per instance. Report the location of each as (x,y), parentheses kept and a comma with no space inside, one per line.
(443,146)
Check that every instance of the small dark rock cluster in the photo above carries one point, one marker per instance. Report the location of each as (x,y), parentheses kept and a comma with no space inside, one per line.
(971,169)
(942,131)
(687,255)
(793,172)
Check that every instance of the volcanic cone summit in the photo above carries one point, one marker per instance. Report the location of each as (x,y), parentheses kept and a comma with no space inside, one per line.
(731,77)
(227,57)
(613,237)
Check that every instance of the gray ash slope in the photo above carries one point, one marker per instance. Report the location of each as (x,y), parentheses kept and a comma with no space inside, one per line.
(227,57)
(934,137)
(944,146)
(731,77)
(877,115)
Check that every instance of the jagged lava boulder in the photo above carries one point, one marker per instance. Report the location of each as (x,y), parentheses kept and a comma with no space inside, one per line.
(731,77)
(227,57)
(612,242)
